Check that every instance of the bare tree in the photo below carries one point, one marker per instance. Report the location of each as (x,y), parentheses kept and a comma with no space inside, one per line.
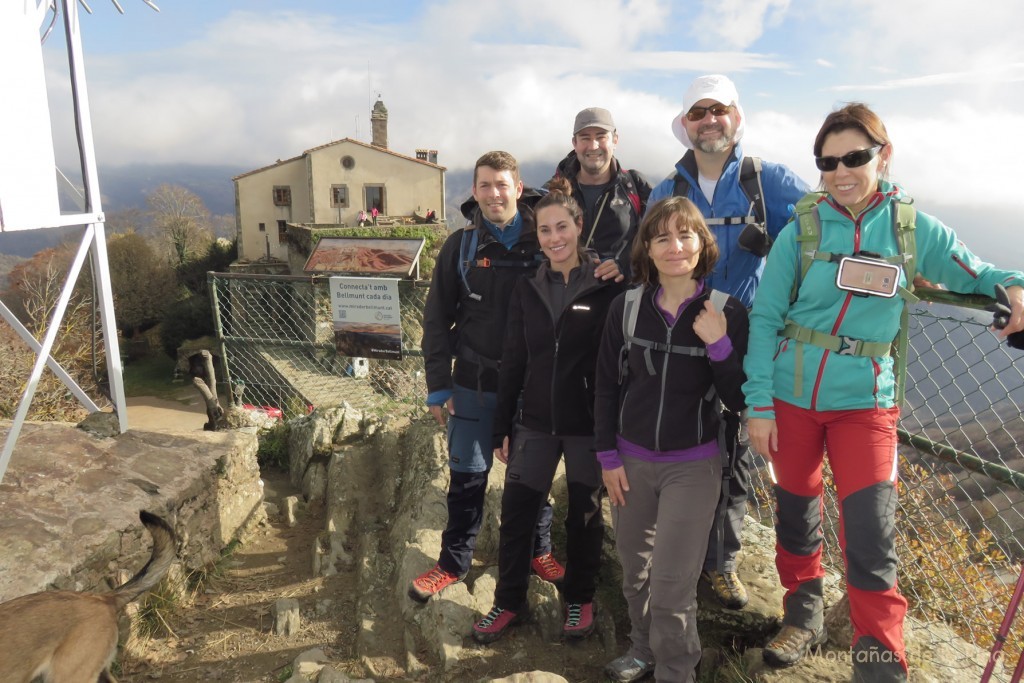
(32,293)
(181,220)
(132,218)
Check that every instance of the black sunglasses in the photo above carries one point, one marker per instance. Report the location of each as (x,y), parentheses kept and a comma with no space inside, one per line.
(850,159)
(698,113)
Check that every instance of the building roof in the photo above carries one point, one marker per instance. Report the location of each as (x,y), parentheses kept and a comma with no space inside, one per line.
(279,162)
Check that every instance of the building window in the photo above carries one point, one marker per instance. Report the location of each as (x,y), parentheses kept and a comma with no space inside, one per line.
(339,196)
(282,195)
(282,231)
(348,163)
(263,227)
(376,197)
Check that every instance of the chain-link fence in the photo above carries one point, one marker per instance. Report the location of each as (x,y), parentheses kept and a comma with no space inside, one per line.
(959,521)
(277,336)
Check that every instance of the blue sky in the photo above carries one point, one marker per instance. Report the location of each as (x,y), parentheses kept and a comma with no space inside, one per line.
(249,82)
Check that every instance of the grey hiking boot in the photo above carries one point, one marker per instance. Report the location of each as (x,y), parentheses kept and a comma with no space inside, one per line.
(791,643)
(628,668)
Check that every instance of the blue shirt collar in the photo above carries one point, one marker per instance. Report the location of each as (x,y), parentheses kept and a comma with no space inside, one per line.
(509,235)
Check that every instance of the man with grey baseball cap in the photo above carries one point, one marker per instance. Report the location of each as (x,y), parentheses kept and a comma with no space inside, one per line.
(613,198)
(746,202)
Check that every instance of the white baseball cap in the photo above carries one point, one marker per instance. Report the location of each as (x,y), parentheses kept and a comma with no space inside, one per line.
(713,87)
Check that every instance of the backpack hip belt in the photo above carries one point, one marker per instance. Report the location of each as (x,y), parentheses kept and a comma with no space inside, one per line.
(844,346)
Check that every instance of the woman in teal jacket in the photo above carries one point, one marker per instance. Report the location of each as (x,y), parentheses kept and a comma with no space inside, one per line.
(820,378)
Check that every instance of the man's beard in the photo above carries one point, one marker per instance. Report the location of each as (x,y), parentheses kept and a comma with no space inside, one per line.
(713,145)
(595,165)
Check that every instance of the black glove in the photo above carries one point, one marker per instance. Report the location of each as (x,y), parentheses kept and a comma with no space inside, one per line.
(1001,312)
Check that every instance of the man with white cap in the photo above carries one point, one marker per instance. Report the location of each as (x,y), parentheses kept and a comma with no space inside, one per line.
(613,198)
(746,202)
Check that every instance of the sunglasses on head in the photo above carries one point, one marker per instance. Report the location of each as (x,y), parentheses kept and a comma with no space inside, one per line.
(850,159)
(698,113)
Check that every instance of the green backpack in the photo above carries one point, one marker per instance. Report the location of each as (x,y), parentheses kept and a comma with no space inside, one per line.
(808,240)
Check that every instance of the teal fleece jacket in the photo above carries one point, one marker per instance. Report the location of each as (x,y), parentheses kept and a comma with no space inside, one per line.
(831,381)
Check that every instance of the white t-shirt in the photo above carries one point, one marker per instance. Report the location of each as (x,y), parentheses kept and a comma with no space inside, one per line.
(707,186)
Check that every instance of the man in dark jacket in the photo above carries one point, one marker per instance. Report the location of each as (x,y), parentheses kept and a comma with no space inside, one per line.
(464,319)
(613,198)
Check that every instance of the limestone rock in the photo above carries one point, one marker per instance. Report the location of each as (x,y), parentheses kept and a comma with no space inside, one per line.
(291,507)
(529,677)
(286,617)
(101,423)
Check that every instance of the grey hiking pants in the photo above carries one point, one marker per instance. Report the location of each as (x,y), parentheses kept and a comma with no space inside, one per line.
(661,535)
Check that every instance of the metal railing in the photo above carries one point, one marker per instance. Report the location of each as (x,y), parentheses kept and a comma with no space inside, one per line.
(960,520)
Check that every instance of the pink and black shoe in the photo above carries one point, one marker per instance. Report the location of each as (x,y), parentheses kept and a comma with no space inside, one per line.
(579,620)
(493,626)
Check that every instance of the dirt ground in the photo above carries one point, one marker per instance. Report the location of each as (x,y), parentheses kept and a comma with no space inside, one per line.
(224,631)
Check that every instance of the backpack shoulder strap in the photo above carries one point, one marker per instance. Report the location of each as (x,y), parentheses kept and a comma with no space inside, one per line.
(630,311)
(750,183)
(632,183)
(808,236)
(681,187)
(467,255)
(904,223)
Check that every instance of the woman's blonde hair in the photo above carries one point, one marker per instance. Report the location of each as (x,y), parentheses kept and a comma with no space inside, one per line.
(655,223)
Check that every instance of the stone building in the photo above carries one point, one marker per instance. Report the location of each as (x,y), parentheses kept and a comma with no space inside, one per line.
(327,186)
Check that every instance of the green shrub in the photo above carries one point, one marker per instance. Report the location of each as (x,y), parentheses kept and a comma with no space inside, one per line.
(188,318)
(273,447)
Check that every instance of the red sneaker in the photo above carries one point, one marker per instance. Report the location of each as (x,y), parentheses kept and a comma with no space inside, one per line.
(547,568)
(431,582)
(494,624)
(579,620)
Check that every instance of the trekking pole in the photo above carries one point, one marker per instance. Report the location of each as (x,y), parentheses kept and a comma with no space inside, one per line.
(1018,670)
(1004,629)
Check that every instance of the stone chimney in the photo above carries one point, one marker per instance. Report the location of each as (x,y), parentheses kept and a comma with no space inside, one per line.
(428,155)
(379,125)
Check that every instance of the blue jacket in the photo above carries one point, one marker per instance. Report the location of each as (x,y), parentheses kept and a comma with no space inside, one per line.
(829,380)
(738,271)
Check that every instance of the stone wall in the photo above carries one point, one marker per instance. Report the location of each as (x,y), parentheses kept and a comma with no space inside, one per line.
(70,500)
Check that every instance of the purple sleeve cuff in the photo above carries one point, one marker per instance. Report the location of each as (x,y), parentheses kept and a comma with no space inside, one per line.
(720,350)
(609,460)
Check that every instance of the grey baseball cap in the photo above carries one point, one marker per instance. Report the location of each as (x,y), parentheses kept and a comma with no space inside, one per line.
(593,117)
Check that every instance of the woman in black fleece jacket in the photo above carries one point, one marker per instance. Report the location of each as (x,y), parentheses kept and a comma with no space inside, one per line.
(657,422)
(547,369)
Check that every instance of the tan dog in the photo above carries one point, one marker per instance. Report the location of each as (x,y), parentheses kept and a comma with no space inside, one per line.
(69,637)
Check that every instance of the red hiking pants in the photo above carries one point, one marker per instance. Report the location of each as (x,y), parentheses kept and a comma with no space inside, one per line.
(861,447)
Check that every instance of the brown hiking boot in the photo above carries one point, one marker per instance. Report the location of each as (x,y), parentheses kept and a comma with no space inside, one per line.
(791,643)
(727,588)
